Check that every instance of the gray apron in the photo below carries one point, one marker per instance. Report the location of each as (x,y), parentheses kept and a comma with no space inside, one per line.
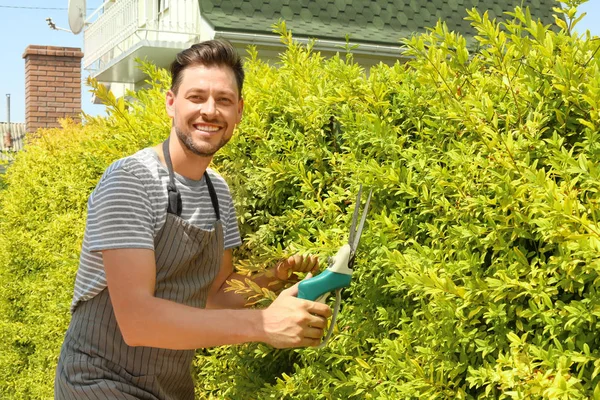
(96,363)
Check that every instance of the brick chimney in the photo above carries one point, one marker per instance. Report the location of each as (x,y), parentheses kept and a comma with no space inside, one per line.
(52,85)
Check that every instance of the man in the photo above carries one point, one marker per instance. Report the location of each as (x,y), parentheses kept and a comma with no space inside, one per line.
(157,254)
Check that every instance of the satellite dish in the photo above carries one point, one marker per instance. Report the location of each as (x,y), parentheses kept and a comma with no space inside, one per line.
(76,15)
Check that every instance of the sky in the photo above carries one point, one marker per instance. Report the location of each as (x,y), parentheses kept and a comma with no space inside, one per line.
(23,22)
(20,27)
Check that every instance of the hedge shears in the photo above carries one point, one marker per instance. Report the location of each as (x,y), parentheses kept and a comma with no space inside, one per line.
(338,274)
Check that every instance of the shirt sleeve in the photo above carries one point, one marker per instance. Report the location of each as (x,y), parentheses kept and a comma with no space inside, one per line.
(120,213)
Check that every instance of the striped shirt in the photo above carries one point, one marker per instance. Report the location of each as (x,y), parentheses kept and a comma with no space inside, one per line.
(128,208)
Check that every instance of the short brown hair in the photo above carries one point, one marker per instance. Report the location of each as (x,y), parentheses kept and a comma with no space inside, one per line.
(217,52)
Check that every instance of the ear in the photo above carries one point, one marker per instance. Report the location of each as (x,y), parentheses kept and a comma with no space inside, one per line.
(240,110)
(170,100)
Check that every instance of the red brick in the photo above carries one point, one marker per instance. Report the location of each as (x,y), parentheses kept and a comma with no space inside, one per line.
(46,119)
(51,62)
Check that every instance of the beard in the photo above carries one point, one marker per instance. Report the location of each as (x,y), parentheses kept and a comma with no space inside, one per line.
(188,142)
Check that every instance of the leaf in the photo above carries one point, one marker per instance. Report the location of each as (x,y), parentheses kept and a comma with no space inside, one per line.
(362,363)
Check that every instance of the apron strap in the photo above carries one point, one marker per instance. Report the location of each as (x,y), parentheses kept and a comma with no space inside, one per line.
(213,196)
(174,197)
(175,205)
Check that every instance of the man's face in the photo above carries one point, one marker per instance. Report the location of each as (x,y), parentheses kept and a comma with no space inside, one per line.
(205,109)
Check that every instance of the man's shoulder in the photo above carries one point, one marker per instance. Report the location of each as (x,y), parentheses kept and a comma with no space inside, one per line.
(141,165)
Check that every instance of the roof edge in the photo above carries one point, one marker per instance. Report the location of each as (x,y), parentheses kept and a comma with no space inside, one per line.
(320,44)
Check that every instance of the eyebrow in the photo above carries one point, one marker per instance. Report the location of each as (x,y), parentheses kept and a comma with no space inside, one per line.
(218,92)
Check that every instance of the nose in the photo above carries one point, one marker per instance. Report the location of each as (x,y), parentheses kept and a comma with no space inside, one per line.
(209,108)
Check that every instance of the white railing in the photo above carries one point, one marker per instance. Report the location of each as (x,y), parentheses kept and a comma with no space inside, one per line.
(111,28)
(118,26)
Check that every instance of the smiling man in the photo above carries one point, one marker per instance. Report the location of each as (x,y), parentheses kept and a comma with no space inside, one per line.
(157,254)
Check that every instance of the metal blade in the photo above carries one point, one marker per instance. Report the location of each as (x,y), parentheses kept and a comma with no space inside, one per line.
(354,218)
(354,245)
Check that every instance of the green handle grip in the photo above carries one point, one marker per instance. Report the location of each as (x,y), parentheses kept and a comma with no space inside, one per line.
(326,281)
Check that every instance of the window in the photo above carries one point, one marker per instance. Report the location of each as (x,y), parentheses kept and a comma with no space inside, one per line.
(163,5)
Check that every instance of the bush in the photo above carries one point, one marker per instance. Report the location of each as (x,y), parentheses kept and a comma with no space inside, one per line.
(477,273)
(43,205)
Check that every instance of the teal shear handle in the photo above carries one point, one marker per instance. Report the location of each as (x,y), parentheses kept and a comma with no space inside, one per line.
(322,284)
(336,276)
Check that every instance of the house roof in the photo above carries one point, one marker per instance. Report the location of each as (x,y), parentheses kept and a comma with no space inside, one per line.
(378,21)
(17,134)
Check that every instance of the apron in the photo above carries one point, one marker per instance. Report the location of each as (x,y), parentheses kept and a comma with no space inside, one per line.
(96,363)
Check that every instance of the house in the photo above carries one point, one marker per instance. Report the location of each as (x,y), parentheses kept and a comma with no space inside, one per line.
(12,137)
(123,30)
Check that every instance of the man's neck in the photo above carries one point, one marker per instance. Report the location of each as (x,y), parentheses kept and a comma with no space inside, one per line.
(185,163)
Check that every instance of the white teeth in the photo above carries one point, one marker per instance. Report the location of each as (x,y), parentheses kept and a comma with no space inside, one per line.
(206,128)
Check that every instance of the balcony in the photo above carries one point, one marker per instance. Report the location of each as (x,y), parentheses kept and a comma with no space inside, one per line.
(122,30)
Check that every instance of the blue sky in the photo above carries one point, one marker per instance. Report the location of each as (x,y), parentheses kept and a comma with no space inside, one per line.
(20,27)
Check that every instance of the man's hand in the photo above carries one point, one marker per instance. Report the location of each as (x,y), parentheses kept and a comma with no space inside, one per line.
(275,279)
(293,322)
(285,270)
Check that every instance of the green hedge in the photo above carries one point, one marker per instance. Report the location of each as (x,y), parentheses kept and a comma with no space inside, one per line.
(478,272)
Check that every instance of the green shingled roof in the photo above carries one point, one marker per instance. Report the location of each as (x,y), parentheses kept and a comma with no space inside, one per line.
(377,21)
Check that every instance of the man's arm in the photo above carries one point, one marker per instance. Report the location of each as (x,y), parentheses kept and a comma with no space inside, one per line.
(274,280)
(145,320)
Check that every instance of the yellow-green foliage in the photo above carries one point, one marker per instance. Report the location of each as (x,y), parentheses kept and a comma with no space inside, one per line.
(478,272)
(43,210)
(43,206)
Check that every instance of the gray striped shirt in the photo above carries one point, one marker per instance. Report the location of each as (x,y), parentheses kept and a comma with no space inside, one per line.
(129,207)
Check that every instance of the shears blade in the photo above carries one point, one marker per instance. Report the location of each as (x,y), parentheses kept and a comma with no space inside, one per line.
(355,232)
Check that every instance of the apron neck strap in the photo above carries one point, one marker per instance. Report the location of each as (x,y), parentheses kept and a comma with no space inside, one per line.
(175,205)
(213,195)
